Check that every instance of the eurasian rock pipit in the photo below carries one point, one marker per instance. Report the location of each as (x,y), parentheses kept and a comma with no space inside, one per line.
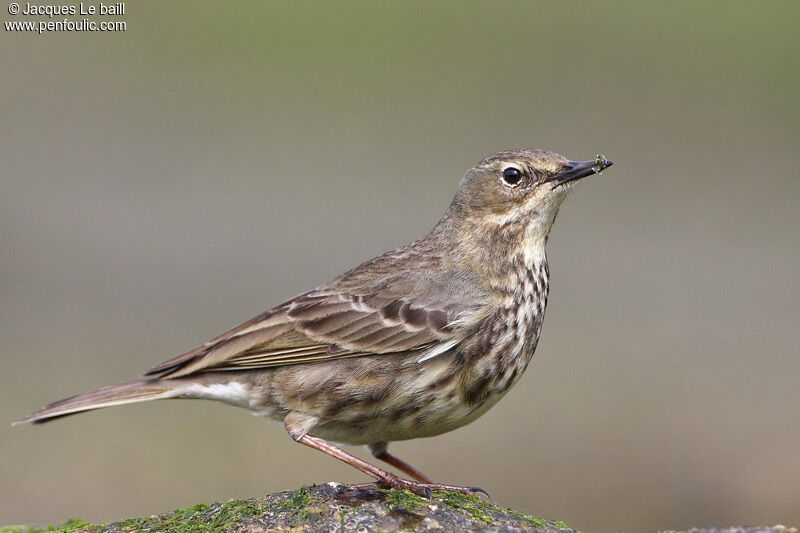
(416,342)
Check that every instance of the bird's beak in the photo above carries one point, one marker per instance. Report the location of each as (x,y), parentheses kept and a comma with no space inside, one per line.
(575,170)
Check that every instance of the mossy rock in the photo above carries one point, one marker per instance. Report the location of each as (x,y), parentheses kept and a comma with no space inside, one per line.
(330,507)
(340,508)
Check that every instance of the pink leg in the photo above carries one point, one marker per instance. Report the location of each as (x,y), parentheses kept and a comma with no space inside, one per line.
(384,478)
(380,451)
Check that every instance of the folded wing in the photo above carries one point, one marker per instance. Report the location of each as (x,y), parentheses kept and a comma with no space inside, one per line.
(323,325)
(402,301)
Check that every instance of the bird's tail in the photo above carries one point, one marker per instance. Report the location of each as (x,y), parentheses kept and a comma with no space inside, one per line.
(136,391)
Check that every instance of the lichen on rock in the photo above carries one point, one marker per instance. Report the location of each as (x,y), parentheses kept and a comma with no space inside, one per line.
(330,507)
(341,508)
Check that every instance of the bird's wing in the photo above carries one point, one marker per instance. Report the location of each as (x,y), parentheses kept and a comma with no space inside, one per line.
(333,323)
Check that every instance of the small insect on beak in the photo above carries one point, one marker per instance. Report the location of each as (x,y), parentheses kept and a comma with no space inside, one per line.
(575,170)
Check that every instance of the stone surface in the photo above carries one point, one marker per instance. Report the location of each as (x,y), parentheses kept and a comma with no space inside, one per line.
(332,508)
(745,529)
(340,508)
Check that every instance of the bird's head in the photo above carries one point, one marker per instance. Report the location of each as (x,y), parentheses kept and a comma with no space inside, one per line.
(514,196)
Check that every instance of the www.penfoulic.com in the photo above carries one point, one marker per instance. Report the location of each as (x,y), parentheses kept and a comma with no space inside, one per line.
(43,26)
(48,13)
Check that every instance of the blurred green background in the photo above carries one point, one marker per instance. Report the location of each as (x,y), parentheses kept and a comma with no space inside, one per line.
(162,184)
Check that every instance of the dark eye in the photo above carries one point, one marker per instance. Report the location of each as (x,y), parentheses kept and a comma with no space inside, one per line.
(512,176)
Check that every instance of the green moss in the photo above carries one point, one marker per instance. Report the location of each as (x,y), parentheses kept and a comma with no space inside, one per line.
(200,517)
(186,520)
(296,509)
(480,509)
(300,506)
(404,498)
(473,505)
(71,525)
(300,499)
(233,512)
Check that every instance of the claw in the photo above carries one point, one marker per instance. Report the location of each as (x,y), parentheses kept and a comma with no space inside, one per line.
(480,491)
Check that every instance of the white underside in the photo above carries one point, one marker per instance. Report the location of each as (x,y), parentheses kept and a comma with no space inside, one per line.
(233,392)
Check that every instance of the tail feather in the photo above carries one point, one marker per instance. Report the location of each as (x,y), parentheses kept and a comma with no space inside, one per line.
(137,391)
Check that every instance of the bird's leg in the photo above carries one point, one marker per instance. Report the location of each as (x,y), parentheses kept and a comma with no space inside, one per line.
(380,450)
(385,479)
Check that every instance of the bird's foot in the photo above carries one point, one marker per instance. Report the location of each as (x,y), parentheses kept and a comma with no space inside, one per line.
(457,488)
(425,489)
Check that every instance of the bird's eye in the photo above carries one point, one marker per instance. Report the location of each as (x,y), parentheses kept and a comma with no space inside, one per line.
(512,176)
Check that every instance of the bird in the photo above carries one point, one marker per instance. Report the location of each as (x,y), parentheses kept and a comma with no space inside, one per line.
(416,342)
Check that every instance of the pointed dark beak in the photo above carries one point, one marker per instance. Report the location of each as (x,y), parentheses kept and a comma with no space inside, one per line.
(575,170)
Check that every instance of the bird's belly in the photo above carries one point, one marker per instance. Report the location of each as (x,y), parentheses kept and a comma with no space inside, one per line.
(376,399)
(409,416)
(437,418)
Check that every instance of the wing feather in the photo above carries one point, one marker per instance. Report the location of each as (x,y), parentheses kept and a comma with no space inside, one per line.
(353,316)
